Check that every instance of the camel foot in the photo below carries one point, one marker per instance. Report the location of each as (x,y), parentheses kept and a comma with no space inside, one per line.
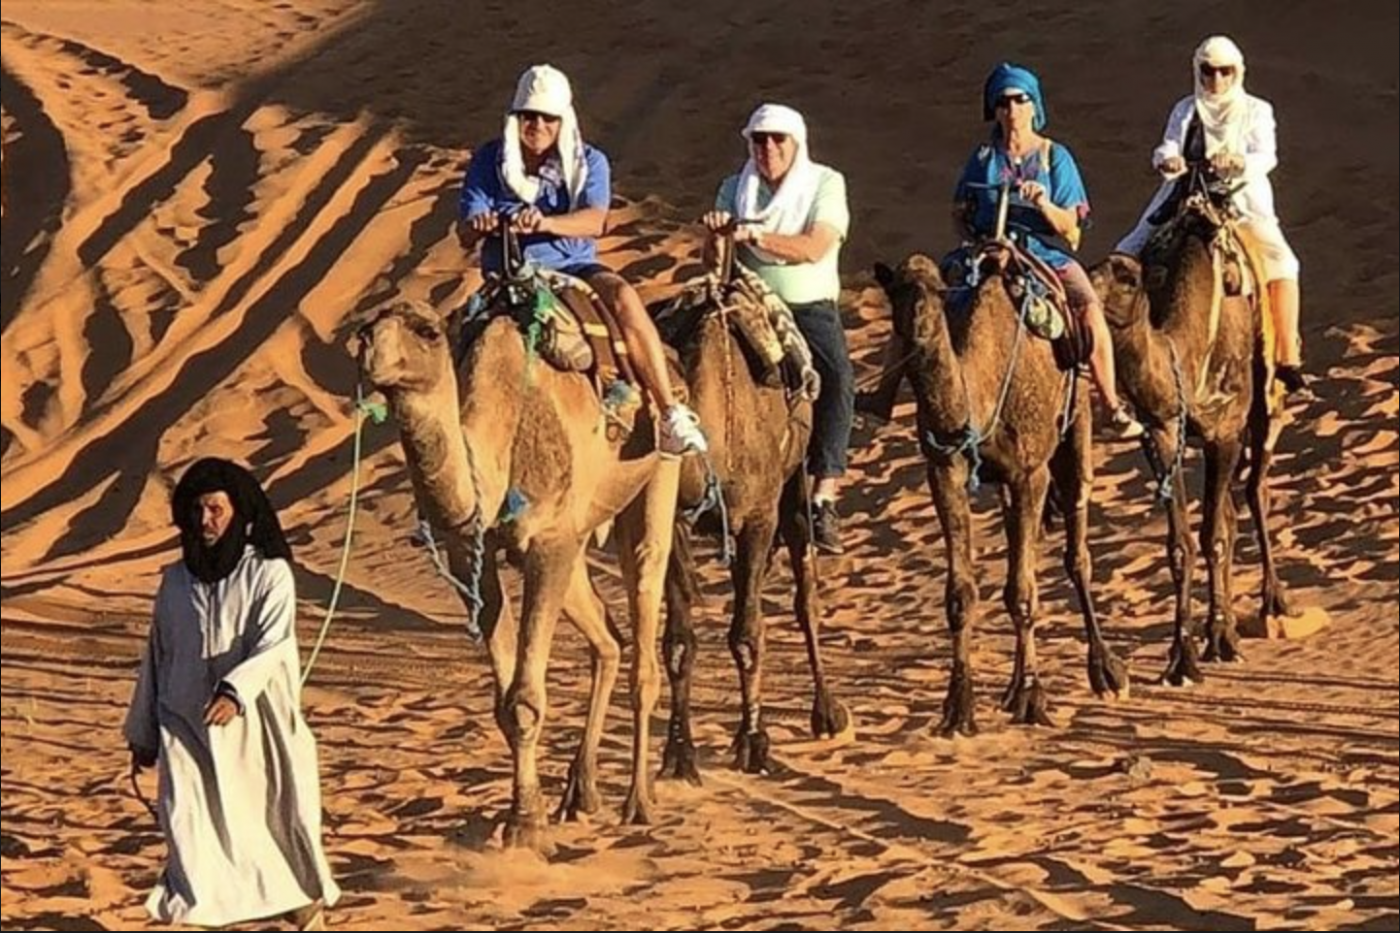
(636,811)
(580,798)
(1029,706)
(678,761)
(830,717)
(1182,664)
(751,753)
(1108,675)
(959,706)
(1223,644)
(1278,603)
(527,831)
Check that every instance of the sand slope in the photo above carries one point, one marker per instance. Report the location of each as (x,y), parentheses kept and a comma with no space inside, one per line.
(196,200)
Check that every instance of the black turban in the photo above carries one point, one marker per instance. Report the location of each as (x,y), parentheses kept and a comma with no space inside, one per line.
(254,520)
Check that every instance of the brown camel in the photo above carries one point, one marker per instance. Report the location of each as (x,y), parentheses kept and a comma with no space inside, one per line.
(964,356)
(1185,365)
(758,442)
(508,428)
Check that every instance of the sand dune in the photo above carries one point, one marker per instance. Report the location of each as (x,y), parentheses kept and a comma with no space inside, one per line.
(197,199)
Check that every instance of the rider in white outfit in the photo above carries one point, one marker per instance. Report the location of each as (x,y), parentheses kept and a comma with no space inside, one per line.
(1235,132)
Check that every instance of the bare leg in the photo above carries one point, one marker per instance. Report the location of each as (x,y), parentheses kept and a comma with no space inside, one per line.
(1101,359)
(643,342)
(1284,303)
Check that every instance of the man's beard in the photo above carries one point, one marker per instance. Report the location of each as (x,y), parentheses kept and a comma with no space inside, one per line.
(210,563)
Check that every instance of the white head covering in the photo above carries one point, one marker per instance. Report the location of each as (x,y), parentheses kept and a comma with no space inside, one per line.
(1223,116)
(791,205)
(545,89)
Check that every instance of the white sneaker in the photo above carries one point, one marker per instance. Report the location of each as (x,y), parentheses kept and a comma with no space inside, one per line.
(680,433)
(1125,425)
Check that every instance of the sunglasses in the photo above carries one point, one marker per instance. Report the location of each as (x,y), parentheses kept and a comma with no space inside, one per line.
(1008,99)
(1210,71)
(761,138)
(534,116)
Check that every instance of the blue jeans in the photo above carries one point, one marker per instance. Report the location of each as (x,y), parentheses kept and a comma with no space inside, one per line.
(820,323)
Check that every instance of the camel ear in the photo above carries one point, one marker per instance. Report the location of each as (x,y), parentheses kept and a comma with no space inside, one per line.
(1127,271)
(884,275)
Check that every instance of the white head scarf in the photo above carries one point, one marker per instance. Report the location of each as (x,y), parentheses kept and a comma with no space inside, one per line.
(791,205)
(1223,116)
(545,89)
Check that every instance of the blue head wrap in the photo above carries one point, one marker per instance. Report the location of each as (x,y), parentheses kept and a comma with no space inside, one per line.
(1009,77)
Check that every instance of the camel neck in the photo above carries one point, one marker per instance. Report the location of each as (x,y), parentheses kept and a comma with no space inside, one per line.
(435,445)
(939,374)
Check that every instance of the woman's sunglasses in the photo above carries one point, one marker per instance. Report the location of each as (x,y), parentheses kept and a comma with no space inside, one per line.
(1210,71)
(762,138)
(1008,99)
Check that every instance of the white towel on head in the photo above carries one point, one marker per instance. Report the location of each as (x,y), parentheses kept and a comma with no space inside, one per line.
(1224,117)
(544,89)
(787,212)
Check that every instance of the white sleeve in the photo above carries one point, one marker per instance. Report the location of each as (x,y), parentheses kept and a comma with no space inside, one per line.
(1260,141)
(1174,136)
(272,627)
(142,728)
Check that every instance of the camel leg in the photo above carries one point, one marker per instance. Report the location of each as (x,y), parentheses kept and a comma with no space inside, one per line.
(548,568)
(948,482)
(1183,659)
(644,532)
(498,625)
(679,647)
(1218,531)
(1072,469)
(829,715)
(746,643)
(1274,601)
(586,611)
(1025,696)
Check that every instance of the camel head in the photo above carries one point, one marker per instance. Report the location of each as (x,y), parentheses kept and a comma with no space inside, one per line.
(404,347)
(1119,284)
(909,287)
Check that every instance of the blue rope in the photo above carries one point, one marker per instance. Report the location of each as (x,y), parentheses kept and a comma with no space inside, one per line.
(471,590)
(713,498)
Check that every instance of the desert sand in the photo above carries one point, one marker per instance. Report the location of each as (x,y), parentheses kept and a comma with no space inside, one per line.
(199,195)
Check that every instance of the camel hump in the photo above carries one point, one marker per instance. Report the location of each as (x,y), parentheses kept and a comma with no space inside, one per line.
(777,353)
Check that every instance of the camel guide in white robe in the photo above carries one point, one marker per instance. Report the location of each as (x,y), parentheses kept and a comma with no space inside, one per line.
(217,708)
